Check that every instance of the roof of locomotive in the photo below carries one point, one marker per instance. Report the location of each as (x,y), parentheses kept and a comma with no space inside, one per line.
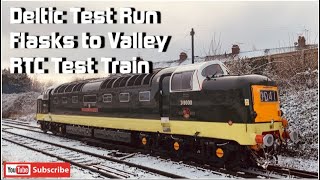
(197,66)
(122,80)
(98,83)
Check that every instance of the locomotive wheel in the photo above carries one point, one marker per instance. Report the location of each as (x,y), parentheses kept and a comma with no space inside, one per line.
(43,128)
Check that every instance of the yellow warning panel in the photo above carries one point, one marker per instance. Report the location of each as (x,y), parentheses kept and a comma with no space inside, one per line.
(266,103)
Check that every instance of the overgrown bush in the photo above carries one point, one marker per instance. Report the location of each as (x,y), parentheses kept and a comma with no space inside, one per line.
(18,83)
(19,105)
(15,83)
(290,72)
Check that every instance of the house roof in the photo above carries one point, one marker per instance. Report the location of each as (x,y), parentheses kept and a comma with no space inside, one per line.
(241,55)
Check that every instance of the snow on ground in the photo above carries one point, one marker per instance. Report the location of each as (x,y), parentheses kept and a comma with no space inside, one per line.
(299,163)
(15,153)
(301,110)
(62,141)
(145,160)
(174,167)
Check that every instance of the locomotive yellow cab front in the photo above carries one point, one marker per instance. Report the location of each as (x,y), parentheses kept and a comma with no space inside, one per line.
(270,128)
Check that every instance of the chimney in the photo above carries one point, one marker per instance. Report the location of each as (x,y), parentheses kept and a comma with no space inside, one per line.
(139,59)
(301,42)
(183,56)
(235,49)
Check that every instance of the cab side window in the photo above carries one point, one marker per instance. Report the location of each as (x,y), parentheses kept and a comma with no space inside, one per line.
(213,69)
(182,81)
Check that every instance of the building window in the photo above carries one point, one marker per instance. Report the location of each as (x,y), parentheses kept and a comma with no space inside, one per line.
(89,98)
(107,98)
(55,100)
(144,96)
(124,97)
(75,99)
(64,100)
(182,81)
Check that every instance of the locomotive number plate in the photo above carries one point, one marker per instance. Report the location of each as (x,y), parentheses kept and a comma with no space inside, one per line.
(185,102)
(268,96)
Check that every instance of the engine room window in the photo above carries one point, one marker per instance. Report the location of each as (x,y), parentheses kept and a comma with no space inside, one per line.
(64,100)
(144,96)
(75,99)
(213,69)
(182,81)
(89,98)
(124,97)
(107,98)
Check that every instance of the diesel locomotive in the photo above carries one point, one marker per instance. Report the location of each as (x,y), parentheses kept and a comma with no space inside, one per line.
(197,110)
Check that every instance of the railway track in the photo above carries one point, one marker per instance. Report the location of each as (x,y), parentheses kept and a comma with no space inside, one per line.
(129,149)
(87,160)
(271,172)
(293,172)
(22,126)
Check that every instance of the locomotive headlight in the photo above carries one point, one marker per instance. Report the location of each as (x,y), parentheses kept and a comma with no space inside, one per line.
(268,140)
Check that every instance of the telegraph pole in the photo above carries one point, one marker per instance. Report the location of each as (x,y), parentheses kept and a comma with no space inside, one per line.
(192,44)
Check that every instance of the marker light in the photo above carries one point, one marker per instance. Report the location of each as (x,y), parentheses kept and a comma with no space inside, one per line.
(284,122)
(259,139)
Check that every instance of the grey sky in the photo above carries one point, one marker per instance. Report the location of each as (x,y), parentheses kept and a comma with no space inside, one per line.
(252,25)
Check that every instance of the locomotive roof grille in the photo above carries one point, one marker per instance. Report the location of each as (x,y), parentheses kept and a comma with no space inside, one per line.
(124,81)
(132,79)
(117,83)
(109,85)
(75,87)
(104,84)
(146,80)
(138,81)
(91,86)
(80,87)
(70,88)
(61,89)
(113,81)
(56,89)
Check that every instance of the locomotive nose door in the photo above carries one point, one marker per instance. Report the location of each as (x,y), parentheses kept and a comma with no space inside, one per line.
(45,101)
(165,97)
(165,104)
(266,103)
